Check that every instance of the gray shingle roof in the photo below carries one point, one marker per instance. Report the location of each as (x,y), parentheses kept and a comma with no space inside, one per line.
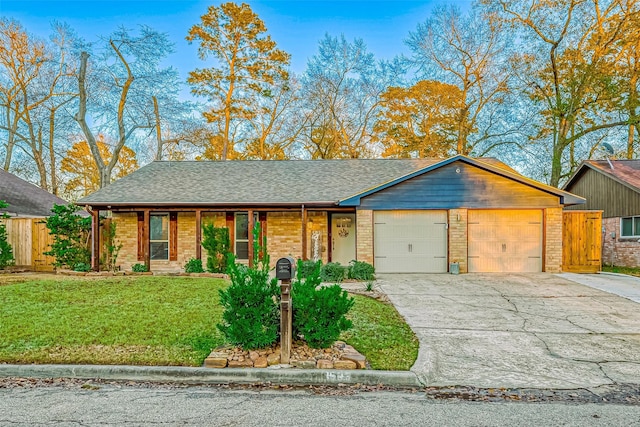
(255,182)
(24,198)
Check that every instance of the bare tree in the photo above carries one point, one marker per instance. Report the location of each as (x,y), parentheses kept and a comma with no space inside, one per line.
(567,56)
(468,51)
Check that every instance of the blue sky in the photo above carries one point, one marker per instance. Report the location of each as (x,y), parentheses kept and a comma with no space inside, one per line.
(296,26)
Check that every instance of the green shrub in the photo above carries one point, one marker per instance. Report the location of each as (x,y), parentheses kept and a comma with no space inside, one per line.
(333,272)
(251,316)
(82,266)
(319,312)
(216,242)
(194,265)
(71,236)
(139,268)
(305,268)
(360,270)
(6,251)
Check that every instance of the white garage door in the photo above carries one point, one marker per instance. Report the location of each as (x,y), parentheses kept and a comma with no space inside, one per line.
(505,241)
(410,241)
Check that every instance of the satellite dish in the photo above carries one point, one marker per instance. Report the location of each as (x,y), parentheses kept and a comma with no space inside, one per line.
(608,149)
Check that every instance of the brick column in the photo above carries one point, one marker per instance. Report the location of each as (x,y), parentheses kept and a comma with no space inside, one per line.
(458,238)
(364,235)
(553,240)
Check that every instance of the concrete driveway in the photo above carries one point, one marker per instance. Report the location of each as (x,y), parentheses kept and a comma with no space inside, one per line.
(517,330)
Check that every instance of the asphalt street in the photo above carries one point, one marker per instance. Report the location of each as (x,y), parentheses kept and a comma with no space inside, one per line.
(135,406)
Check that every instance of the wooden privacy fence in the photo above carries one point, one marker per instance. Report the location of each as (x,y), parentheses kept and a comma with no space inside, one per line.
(581,241)
(30,239)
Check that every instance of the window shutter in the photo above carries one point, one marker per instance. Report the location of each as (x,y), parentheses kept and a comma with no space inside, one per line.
(140,236)
(173,236)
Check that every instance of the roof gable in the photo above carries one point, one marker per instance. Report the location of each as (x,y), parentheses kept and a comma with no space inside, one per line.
(24,198)
(494,167)
(625,172)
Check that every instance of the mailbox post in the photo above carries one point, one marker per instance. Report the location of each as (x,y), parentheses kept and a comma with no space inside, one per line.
(285,271)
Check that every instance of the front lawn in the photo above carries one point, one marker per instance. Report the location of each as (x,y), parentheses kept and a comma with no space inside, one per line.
(153,320)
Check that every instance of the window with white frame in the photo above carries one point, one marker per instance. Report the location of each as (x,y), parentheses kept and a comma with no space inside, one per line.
(159,236)
(630,226)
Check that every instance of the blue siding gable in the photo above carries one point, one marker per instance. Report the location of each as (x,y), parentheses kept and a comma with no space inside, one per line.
(456,184)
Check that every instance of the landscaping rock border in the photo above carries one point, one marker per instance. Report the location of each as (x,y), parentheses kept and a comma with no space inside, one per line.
(339,356)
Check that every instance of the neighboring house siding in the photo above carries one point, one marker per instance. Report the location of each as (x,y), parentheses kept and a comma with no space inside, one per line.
(606,194)
(624,252)
(446,188)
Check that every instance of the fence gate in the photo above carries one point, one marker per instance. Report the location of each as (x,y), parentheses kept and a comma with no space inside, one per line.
(40,243)
(581,241)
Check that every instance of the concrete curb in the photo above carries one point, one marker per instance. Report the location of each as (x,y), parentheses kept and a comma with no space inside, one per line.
(189,375)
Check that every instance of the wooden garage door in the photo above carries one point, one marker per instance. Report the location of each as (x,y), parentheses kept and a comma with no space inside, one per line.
(505,241)
(410,241)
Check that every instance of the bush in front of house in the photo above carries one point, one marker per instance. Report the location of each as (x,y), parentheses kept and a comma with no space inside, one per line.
(82,267)
(251,316)
(319,313)
(139,268)
(217,244)
(333,272)
(71,236)
(305,268)
(194,265)
(360,270)
(6,251)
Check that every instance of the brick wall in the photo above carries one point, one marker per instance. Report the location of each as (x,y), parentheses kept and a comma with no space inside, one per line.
(127,235)
(553,240)
(364,235)
(284,235)
(618,251)
(458,238)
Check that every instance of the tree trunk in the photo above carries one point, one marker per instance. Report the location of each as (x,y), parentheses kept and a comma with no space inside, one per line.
(156,113)
(80,117)
(52,155)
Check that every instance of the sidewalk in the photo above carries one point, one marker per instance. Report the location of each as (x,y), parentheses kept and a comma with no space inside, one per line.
(613,283)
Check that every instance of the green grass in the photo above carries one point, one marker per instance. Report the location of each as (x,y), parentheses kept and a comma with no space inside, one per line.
(128,320)
(632,271)
(381,335)
(153,320)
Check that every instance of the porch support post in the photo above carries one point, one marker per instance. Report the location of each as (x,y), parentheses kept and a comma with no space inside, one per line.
(250,227)
(304,233)
(95,240)
(145,240)
(198,234)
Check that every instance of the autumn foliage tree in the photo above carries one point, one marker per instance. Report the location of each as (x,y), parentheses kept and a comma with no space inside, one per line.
(419,121)
(80,166)
(247,64)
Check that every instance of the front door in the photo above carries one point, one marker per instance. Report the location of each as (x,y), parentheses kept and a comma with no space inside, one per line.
(343,238)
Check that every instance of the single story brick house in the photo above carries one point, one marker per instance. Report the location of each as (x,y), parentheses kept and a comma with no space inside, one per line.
(401,215)
(613,186)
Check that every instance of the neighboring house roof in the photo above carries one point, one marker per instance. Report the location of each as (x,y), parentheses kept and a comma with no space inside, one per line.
(24,198)
(272,183)
(625,172)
